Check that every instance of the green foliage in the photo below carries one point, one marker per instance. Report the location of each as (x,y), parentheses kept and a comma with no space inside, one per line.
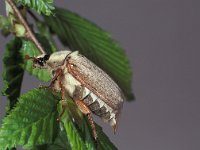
(20,31)
(60,143)
(13,72)
(31,122)
(4,22)
(79,133)
(44,31)
(103,140)
(87,134)
(93,42)
(28,48)
(73,134)
(5,25)
(41,6)
(102,143)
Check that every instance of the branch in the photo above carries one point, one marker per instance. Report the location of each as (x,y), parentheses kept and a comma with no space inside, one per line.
(29,34)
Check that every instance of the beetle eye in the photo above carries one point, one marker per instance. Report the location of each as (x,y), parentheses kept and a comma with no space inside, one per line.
(40,62)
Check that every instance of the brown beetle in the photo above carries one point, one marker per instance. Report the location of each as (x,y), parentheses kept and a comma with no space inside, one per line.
(88,85)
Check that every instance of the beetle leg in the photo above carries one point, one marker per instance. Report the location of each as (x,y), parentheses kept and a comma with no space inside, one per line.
(63,99)
(62,90)
(57,74)
(85,110)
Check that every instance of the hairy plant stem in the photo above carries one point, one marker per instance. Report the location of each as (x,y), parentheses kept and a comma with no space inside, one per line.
(29,34)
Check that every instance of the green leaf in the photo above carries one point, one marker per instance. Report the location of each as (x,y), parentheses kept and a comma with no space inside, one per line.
(103,141)
(5,25)
(20,30)
(87,134)
(80,34)
(44,31)
(28,48)
(73,134)
(32,122)
(12,71)
(60,143)
(79,133)
(4,22)
(41,6)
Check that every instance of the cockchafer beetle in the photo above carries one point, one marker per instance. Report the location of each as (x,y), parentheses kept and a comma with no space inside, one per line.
(88,85)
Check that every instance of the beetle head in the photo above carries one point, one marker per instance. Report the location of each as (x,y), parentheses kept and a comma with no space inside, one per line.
(58,59)
(40,61)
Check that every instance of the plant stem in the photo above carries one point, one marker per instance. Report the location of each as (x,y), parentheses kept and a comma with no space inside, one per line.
(29,34)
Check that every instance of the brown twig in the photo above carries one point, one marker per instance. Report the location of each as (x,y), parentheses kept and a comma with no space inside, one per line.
(29,34)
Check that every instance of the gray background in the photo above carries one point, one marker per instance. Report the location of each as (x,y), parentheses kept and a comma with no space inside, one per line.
(162,41)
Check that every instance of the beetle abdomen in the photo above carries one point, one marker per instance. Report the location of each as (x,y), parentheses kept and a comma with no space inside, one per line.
(96,105)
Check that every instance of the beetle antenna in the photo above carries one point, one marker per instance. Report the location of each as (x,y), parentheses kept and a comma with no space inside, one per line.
(27,57)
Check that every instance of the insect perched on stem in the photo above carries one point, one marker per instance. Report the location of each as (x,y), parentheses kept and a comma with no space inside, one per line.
(88,85)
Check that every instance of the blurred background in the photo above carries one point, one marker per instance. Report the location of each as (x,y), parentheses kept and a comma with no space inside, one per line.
(162,40)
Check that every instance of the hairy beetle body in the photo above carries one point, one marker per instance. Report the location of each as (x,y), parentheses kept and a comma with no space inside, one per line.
(85,82)
(92,85)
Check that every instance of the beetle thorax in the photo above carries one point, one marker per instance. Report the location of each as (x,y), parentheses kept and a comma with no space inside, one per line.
(57,60)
